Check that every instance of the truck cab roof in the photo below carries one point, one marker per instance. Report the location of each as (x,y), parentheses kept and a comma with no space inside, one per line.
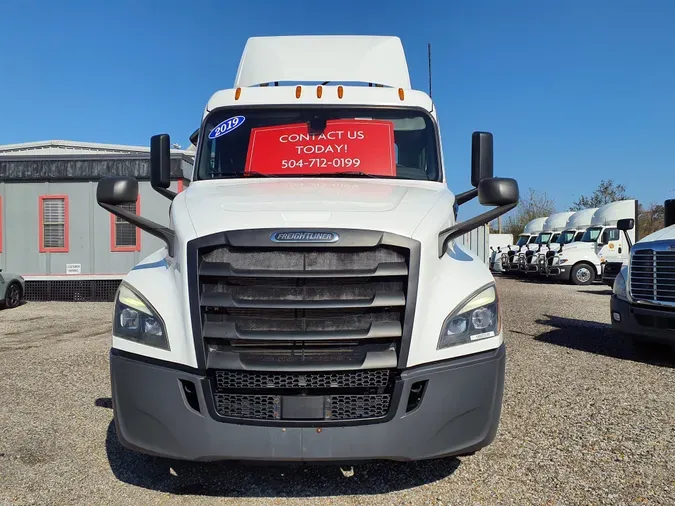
(322,69)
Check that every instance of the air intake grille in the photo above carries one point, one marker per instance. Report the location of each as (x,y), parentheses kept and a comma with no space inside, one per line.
(263,303)
(335,407)
(251,380)
(652,276)
(255,407)
(353,407)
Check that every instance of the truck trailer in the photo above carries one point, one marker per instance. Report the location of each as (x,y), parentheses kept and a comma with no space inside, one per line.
(311,302)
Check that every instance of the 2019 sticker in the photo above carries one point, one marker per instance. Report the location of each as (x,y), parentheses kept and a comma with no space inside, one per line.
(225,127)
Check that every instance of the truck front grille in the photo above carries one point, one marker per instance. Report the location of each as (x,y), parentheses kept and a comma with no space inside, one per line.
(652,276)
(288,330)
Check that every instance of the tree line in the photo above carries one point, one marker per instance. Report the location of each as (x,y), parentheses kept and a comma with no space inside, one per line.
(537,204)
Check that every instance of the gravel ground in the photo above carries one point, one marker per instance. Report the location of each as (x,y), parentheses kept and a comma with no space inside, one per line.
(586,420)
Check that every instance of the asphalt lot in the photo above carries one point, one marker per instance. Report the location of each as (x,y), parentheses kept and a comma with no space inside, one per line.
(587,420)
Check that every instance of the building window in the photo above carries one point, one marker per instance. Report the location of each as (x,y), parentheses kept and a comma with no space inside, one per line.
(123,235)
(53,214)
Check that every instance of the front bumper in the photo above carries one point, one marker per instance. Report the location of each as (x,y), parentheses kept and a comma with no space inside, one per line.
(560,272)
(651,324)
(459,413)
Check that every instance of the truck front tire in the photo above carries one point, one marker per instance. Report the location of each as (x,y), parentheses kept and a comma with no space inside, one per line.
(582,274)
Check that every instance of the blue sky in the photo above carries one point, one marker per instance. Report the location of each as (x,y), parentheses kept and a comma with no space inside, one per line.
(574,91)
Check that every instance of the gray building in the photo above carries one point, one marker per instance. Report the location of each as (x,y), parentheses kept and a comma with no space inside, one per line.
(53,232)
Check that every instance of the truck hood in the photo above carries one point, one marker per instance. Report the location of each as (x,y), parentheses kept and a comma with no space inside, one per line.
(660,235)
(575,246)
(391,206)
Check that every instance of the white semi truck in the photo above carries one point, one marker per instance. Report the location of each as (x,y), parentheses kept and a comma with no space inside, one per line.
(582,262)
(573,231)
(497,242)
(549,234)
(643,300)
(311,303)
(511,261)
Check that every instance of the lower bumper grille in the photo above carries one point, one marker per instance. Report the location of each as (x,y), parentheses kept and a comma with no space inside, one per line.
(255,407)
(330,395)
(332,407)
(355,407)
(254,380)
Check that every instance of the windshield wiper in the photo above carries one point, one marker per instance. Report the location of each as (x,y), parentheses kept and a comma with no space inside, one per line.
(349,173)
(242,174)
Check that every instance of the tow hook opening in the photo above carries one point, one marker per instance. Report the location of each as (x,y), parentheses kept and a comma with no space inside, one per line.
(190,393)
(415,397)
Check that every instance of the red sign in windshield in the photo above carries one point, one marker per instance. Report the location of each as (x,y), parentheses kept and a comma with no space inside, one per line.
(344,146)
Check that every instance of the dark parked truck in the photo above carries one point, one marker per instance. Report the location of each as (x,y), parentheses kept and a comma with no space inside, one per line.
(643,302)
(311,303)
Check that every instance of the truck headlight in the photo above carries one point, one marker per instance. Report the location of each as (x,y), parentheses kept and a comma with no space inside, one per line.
(136,320)
(563,261)
(619,288)
(476,319)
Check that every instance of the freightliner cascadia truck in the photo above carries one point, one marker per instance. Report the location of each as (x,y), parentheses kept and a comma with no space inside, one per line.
(643,300)
(310,302)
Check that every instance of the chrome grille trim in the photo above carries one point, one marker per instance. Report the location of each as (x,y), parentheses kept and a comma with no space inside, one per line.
(652,273)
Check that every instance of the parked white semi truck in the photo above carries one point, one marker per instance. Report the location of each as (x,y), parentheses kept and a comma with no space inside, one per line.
(551,230)
(511,260)
(497,242)
(311,303)
(573,231)
(582,262)
(643,300)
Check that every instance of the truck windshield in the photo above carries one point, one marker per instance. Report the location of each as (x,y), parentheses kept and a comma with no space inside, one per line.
(591,235)
(532,239)
(319,142)
(566,237)
(522,240)
(543,238)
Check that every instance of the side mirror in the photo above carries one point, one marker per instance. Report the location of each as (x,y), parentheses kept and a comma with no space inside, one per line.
(669,212)
(498,191)
(113,191)
(194,138)
(482,162)
(501,192)
(160,164)
(625,224)
(116,190)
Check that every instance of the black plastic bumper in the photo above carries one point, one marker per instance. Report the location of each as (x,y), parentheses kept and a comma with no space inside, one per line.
(564,274)
(650,324)
(459,413)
